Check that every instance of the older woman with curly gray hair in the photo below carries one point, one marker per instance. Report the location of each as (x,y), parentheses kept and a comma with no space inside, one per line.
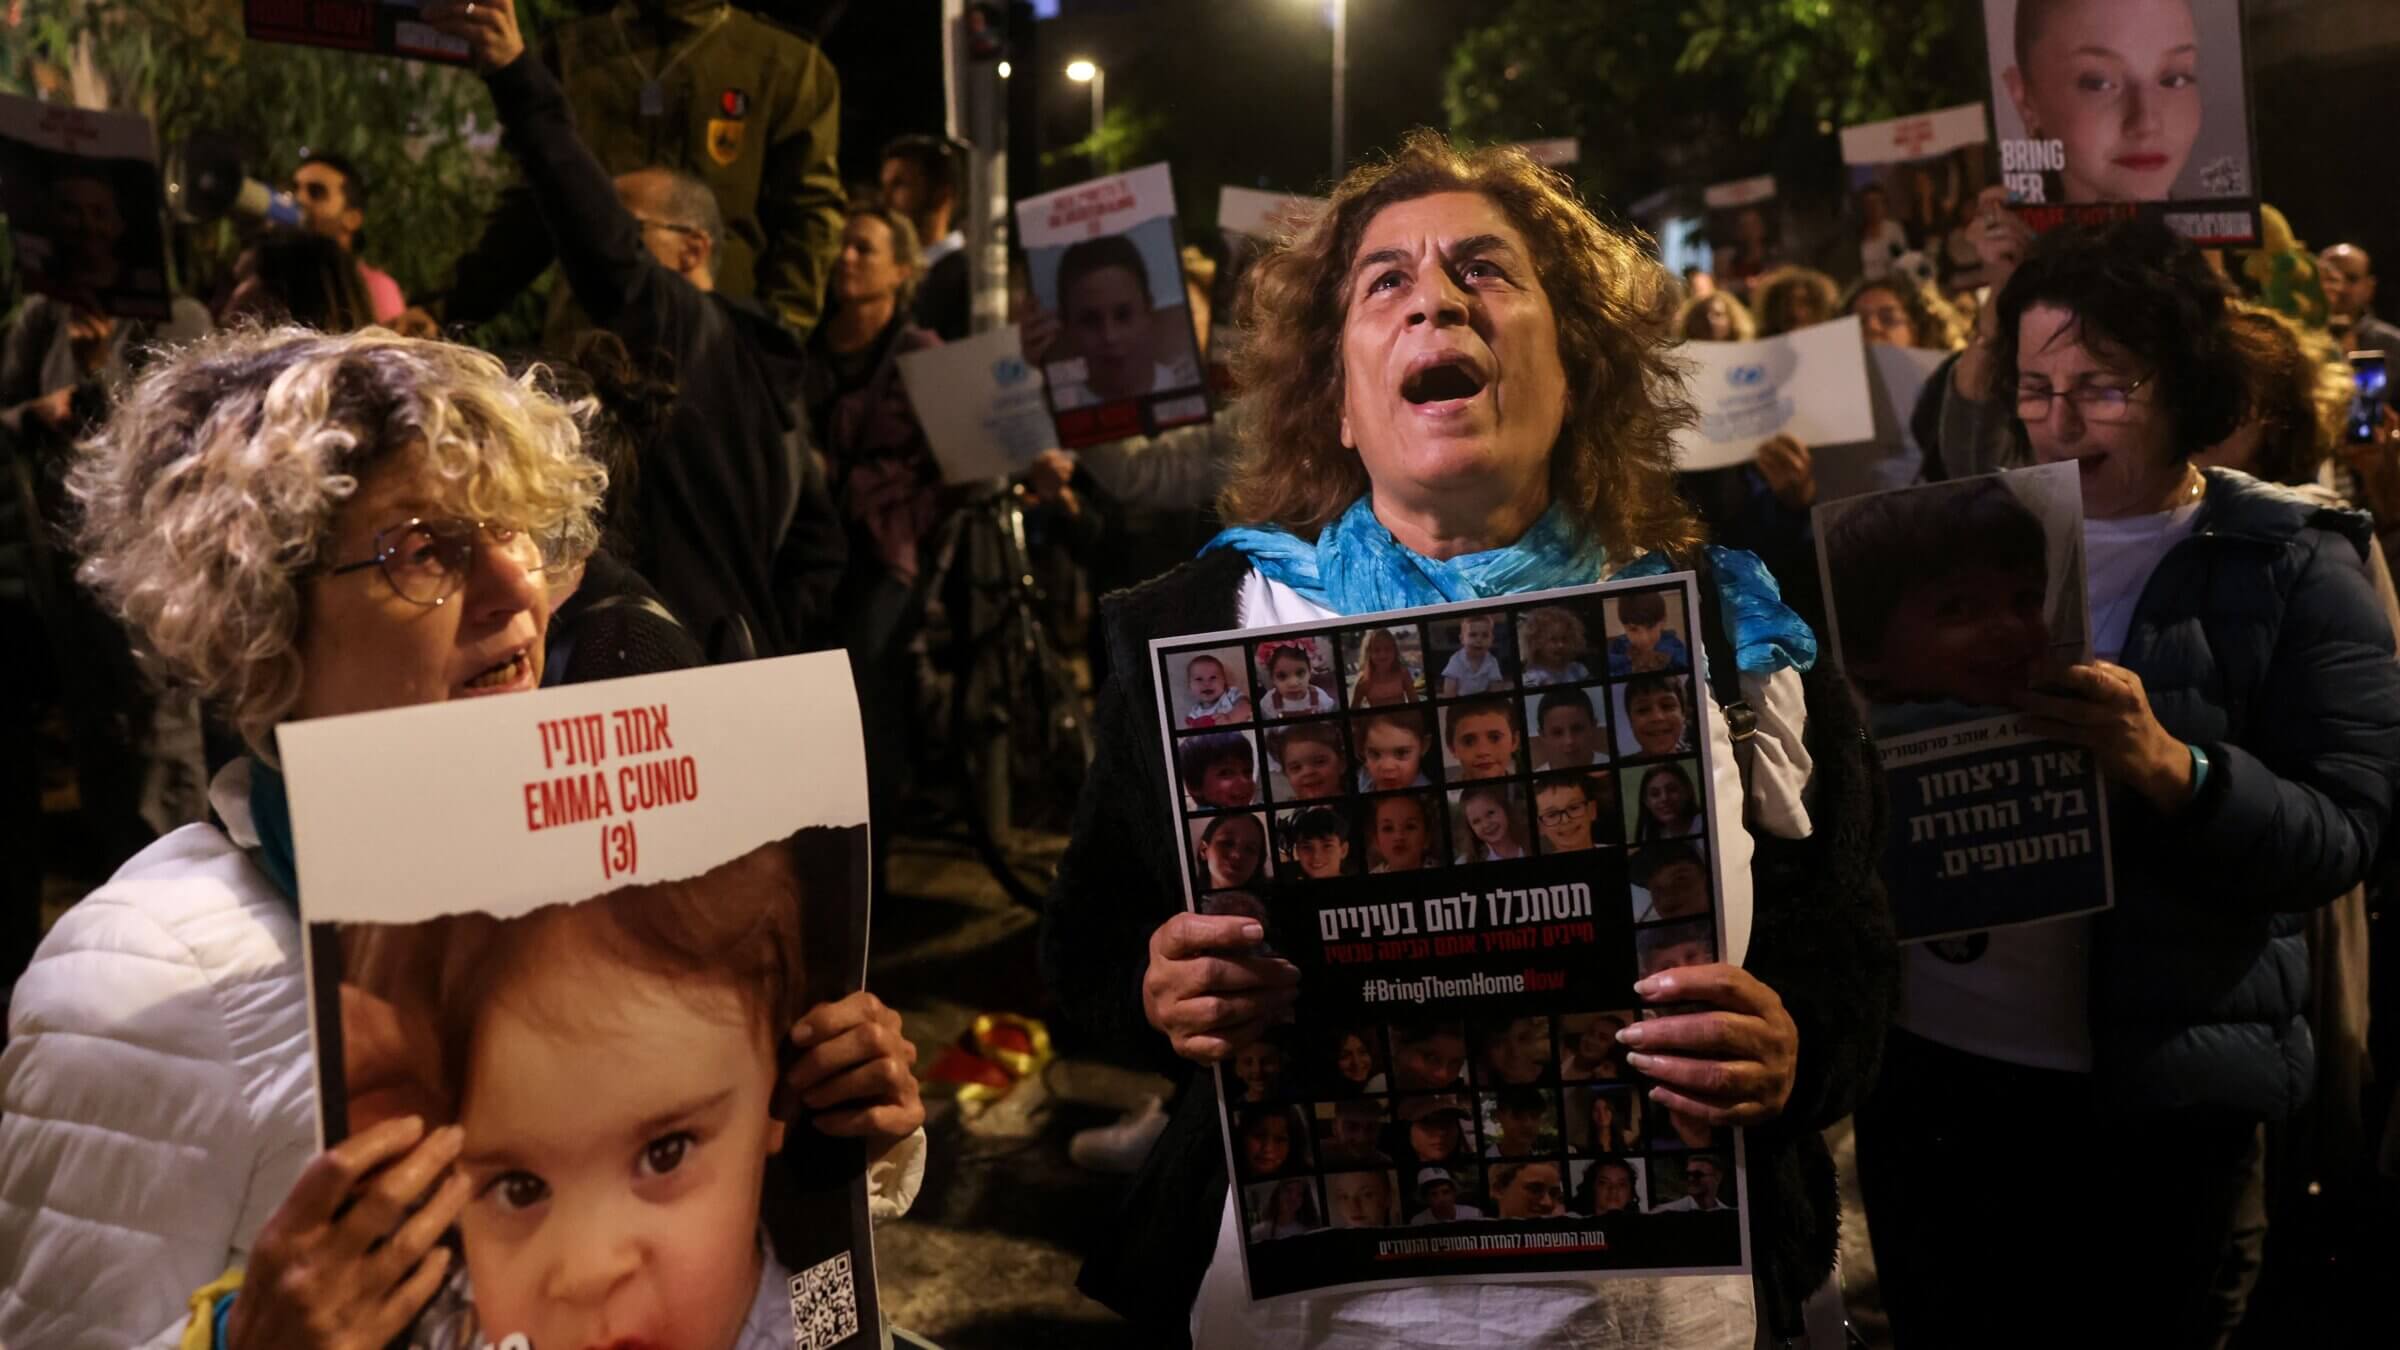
(296,525)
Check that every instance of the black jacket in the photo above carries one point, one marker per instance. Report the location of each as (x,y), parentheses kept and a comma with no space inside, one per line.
(736,529)
(1821,938)
(2260,639)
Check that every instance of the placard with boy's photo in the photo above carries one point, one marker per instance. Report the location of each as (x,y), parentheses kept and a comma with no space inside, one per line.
(2105,109)
(1948,603)
(1430,817)
(1119,353)
(602,982)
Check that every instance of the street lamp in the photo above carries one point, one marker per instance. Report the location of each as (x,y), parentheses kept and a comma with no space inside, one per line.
(1341,70)
(1085,72)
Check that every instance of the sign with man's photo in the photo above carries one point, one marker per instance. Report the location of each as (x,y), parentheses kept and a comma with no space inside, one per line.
(1121,356)
(84,204)
(1473,828)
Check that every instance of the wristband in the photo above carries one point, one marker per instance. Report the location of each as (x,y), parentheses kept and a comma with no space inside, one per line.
(2199,769)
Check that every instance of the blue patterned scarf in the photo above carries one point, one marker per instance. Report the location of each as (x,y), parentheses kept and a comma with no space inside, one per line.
(1357,567)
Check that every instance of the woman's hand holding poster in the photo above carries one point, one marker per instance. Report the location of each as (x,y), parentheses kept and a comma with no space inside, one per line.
(581,925)
(1948,602)
(1473,829)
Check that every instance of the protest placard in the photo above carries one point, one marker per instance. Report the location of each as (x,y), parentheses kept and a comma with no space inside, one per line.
(1947,602)
(1810,383)
(1745,229)
(83,199)
(1249,220)
(1105,262)
(1913,182)
(579,924)
(2103,109)
(980,402)
(1472,827)
(381,27)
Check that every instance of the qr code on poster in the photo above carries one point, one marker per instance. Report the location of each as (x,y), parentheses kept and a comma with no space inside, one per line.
(824,1305)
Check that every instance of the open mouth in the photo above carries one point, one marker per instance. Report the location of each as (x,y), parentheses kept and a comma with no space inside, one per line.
(508,674)
(1447,378)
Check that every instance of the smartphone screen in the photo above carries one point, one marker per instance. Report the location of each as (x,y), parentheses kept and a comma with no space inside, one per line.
(2366,396)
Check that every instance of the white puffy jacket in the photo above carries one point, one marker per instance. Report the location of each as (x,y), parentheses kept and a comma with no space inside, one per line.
(156,1096)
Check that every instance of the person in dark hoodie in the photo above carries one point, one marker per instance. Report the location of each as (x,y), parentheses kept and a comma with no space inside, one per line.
(736,527)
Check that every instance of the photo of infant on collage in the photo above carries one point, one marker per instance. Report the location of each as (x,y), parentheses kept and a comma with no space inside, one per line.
(1472,736)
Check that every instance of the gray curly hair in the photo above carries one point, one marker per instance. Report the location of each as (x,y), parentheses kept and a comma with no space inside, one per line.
(208,495)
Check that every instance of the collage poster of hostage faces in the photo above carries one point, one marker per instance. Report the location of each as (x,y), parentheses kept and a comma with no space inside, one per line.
(2103,109)
(1472,827)
(578,924)
(1947,602)
(1105,260)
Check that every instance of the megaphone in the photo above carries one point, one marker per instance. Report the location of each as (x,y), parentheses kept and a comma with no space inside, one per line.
(206,181)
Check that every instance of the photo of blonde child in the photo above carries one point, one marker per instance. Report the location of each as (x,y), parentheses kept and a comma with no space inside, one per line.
(1383,675)
(1554,641)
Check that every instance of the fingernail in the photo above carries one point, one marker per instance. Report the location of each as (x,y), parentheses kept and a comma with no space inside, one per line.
(1629,1035)
(1654,986)
(803,1033)
(451,1138)
(1253,932)
(1640,1060)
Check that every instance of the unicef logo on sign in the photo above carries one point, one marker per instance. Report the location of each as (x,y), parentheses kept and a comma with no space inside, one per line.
(1009,370)
(1746,377)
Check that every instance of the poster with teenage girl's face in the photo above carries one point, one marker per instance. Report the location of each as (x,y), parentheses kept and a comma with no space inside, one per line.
(1116,342)
(2104,109)
(580,925)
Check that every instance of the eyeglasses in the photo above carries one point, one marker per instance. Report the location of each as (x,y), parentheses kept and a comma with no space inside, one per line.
(2103,403)
(1565,815)
(426,561)
(688,231)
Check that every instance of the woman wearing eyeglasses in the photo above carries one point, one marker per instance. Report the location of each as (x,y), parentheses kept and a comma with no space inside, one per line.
(298,526)
(2245,707)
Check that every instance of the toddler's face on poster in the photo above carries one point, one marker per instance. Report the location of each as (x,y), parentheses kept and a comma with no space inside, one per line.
(1207,680)
(1394,755)
(617,1142)
(1399,834)
(1291,677)
(1553,648)
(1476,636)
(1313,768)
(1977,636)
(1228,782)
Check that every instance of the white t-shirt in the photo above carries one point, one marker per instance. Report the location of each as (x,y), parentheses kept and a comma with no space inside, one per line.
(1462,1212)
(1877,248)
(1203,714)
(2022,995)
(1537,677)
(1314,701)
(1474,677)
(1569,1312)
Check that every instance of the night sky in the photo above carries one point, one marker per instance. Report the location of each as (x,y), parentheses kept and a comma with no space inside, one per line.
(1244,86)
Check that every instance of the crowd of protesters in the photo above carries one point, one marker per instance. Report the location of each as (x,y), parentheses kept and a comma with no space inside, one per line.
(712,458)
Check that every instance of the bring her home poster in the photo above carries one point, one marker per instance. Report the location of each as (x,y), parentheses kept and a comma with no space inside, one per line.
(579,923)
(1473,828)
